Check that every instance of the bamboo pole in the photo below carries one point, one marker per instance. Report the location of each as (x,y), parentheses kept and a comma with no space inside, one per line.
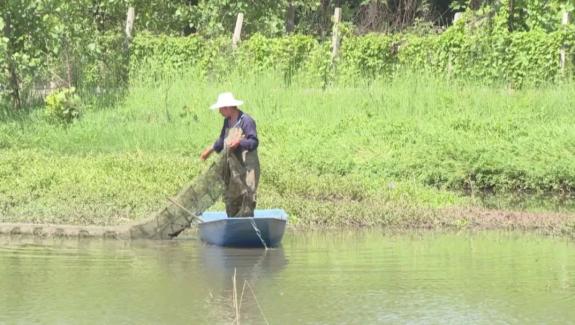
(237,31)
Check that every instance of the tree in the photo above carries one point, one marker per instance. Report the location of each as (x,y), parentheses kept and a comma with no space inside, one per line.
(27,41)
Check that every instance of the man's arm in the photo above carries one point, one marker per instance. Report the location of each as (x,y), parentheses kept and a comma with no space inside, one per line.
(218,146)
(206,153)
(250,140)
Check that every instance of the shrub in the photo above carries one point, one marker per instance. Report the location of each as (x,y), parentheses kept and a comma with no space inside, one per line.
(63,106)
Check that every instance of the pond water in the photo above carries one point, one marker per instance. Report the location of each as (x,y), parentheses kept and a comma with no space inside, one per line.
(314,278)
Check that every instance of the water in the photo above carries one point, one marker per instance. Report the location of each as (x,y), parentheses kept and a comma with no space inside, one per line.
(315,278)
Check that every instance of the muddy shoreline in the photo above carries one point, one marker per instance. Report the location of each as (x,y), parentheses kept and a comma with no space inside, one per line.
(459,218)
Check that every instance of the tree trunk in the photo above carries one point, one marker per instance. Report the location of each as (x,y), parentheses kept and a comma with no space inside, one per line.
(325,14)
(372,15)
(511,14)
(13,84)
(290,18)
(474,4)
(68,66)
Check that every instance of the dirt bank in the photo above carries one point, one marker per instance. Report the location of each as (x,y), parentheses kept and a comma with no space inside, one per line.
(481,218)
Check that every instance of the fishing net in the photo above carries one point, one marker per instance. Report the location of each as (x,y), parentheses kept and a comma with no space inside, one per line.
(179,213)
(186,207)
(226,175)
(232,175)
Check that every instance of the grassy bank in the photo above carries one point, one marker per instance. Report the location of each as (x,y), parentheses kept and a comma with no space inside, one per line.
(401,152)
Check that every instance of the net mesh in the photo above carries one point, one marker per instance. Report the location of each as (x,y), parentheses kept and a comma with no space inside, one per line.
(179,213)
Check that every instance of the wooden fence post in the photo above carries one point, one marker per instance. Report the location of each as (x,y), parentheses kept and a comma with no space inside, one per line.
(130,22)
(335,33)
(237,31)
(456,17)
(563,53)
(124,71)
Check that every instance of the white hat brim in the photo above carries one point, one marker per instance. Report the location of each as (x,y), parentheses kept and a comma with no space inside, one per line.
(227,104)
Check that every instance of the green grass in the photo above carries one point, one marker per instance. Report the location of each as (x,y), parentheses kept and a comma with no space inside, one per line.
(385,152)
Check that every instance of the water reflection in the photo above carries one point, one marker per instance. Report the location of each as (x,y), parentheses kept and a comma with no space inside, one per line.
(315,278)
(236,274)
(249,264)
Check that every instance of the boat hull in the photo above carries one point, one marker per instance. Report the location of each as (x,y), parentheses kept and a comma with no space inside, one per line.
(218,229)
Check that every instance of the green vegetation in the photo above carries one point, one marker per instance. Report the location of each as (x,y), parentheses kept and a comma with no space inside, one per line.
(492,56)
(63,106)
(47,44)
(377,153)
(97,127)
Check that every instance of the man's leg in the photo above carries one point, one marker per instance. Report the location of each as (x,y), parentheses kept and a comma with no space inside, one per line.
(252,176)
(235,187)
(233,207)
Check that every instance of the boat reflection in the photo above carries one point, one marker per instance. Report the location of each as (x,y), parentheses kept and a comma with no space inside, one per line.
(238,276)
(250,264)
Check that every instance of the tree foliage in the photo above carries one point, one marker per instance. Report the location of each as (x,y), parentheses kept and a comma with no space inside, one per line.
(491,54)
(59,43)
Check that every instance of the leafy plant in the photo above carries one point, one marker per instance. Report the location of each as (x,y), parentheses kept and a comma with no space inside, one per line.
(490,54)
(63,106)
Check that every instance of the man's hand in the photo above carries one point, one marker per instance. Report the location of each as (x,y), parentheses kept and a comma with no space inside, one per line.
(234,144)
(206,153)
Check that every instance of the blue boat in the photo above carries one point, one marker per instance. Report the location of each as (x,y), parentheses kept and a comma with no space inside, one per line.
(266,225)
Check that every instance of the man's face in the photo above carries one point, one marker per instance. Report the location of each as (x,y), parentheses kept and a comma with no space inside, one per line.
(226,111)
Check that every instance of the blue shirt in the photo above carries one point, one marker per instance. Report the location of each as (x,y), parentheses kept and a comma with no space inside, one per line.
(248,125)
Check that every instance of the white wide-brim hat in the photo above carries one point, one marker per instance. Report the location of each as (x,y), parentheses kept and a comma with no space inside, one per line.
(226,100)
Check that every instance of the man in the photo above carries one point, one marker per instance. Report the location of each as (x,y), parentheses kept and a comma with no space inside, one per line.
(239,142)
